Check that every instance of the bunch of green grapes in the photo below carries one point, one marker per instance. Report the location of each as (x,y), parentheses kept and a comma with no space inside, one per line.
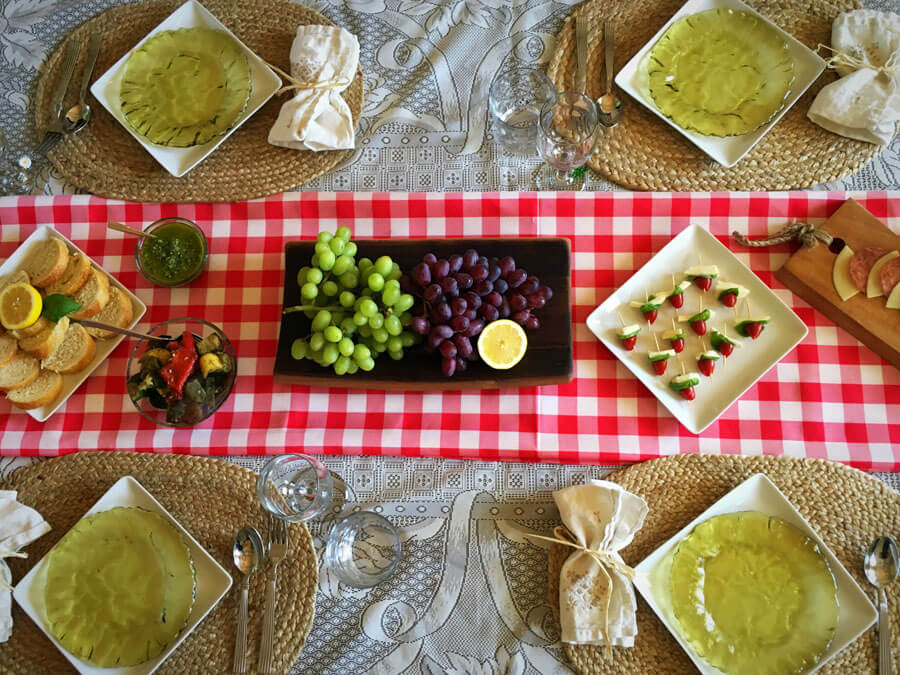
(357,308)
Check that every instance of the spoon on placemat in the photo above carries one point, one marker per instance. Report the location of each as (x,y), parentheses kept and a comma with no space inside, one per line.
(247,553)
(79,114)
(609,106)
(882,563)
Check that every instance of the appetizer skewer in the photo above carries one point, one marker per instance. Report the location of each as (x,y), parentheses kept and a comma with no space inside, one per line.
(729,293)
(684,384)
(702,275)
(676,296)
(706,360)
(721,342)
(675,337)
(697,321)
(752,326)
(660,358)
(650,307)
(627,333)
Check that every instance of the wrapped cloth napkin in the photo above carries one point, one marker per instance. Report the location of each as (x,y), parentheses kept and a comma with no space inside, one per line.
(865,103)
(19,526)
(324,60)
(596,597)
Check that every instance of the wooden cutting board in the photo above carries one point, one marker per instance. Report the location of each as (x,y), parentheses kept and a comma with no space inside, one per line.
(808,274)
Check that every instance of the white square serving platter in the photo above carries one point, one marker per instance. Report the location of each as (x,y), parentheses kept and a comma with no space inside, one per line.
(212,580)
(855,612)
(727,150)
(104,347)
(178,161)
(732,376)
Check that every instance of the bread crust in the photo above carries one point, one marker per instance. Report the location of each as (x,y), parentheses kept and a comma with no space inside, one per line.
(48,396)
(7,350)
(50,247)
(98,301)
(45,343)
(30,377)
(76,275)
(121,301)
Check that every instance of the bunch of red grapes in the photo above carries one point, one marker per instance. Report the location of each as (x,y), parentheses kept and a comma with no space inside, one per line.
(463,293)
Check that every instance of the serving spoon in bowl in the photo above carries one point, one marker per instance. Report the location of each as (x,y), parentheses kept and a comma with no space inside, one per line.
(882,563)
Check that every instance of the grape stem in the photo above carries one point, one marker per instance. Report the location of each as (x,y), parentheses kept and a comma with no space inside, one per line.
(304,308)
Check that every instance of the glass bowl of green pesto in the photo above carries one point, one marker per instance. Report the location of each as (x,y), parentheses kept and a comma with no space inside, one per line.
(175,255)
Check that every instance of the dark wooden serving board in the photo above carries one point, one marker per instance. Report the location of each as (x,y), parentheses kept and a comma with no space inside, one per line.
(808,273)
(547,361)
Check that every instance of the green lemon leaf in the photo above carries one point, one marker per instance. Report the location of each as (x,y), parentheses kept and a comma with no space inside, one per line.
(57,306)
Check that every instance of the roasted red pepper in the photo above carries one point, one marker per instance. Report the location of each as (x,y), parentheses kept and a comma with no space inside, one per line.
(177,369)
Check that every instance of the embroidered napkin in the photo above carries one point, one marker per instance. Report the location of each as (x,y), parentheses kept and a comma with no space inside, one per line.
(324,60)
(19,526)
(865,103)
(602,517)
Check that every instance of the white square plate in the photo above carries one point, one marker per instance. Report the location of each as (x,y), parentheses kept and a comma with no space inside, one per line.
(71,382)
(855,612)
(178,161)
(727,150)
(732,376)
(212,580)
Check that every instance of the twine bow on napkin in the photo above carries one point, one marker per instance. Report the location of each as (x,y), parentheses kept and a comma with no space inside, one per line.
(596,598)
(19,526)
(324,60)
(865,103)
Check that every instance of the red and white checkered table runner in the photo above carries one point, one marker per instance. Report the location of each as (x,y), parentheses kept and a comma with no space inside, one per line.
(830,398)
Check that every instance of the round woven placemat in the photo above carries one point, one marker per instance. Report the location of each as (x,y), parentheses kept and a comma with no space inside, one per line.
(106,160)
(211,499)
(644,153)
(847,508)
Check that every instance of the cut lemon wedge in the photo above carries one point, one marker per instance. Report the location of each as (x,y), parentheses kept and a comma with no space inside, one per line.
(502,344)
(20,306)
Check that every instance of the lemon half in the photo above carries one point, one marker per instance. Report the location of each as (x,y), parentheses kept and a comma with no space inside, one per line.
(20,306)
(502,344)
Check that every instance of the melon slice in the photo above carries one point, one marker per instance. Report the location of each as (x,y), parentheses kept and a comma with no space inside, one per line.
(893,301)
(873,283)
(753,595)
(120,587)
(840,275)
(185,87)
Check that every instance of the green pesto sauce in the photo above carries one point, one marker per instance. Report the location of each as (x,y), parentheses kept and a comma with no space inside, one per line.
(175,256)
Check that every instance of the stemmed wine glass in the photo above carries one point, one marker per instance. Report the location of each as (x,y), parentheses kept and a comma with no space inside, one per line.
(565,139)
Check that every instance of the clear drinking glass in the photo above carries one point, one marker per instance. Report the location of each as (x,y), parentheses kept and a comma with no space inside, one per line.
(565,140)
(363,549)
(516,99)
(295,487)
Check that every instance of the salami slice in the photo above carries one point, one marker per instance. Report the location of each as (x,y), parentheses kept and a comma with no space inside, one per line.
(890,276)
(861,263)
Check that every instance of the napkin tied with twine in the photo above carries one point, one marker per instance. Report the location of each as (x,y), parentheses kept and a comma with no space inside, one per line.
(324,60)
(865,103)
(19,526)
(597,604)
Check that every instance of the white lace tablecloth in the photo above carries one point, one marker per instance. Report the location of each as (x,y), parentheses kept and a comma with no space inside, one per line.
(470,596)
(427,64)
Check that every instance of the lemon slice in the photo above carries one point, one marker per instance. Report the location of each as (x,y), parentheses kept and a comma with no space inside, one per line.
(502,344)
(20,306)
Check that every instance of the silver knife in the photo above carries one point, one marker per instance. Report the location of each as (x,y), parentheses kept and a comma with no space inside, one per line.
(56,103)
(581,53)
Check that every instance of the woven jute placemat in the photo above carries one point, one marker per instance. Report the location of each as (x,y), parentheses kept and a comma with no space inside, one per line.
(644,153)
(106,160)
(847,508)
(211,499)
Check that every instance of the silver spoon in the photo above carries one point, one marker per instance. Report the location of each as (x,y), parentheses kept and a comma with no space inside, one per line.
(882,564)
(609,106)
(77,117)
(248,553)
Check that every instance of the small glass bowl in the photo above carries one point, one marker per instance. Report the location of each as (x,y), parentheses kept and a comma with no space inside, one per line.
(174,328)
(295,487)
(156,224)
(363,549)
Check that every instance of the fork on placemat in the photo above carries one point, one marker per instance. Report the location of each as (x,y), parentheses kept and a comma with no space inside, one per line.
(54,126)
(277,550)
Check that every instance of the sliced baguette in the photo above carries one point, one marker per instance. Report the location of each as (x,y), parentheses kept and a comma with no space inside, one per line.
(8,348)
(75,276)
(118,312)
(21,371)
(93,296)
(16,277)
(45,343)
(74,353)
(36,328)
(44,390)
(47,262)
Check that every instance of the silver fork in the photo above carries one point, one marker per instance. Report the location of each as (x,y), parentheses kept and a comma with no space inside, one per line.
(54,126)
(278,548)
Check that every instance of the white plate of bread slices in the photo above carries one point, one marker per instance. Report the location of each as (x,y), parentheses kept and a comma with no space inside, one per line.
(41,365)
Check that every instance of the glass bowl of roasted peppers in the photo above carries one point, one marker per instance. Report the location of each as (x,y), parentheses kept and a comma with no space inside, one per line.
(183,375)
